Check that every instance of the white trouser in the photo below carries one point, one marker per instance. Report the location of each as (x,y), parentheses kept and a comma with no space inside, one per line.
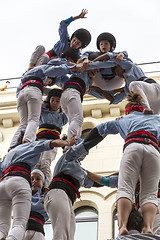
(44,164)
(29,109)
(150,93)
(144,161)
(72,107)
(156,224)
(15,195)
(39,57)
(59,208)
(33,235)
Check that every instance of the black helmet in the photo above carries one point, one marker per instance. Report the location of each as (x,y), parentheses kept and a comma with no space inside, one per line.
(83,35)
(109,37)
(71,53)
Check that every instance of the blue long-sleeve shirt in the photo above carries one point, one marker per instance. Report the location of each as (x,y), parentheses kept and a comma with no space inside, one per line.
(132,122)
(106,71)
(37,204)
(132,73)
(69,164)
(28,153)
(58,68)
(53,117)
(94,65)
(64,42)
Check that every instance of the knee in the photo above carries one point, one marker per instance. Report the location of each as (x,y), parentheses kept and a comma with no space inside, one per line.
(40,49)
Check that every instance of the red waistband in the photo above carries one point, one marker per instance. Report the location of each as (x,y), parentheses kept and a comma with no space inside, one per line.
(142,137)
(144,134)
(71,184)
(48,53)
(49,132)
(32,82)
(75,84)
(15,169)
(36,219)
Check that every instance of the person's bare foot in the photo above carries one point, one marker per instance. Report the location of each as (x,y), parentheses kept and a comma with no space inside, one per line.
(148,111)
(147,230)
(123,231)
(25,141)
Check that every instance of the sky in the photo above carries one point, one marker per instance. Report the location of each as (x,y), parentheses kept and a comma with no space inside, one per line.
(24,24)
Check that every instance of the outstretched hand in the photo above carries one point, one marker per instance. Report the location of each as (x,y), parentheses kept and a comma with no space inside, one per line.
(72,140)
(119,57)
(83,13)
(62,143)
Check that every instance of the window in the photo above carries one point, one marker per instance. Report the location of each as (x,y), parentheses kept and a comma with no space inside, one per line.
(86,223)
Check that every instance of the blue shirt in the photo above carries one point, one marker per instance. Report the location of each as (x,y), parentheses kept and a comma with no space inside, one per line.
(93,65)
(132,73)
(69,164)
(54,68)
(64,42)
(37,204)
(106,71)
(53,117)
(28,153)
(132,122)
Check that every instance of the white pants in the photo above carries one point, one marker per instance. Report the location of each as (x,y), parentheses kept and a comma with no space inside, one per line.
(29,109)
(44,164)
(144,161)
(156,224)
(15,195)
(150,93)
(72,107)
(59,208)
(33,235)
(39,57)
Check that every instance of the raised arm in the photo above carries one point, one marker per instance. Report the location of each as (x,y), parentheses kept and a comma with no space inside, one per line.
(81,15)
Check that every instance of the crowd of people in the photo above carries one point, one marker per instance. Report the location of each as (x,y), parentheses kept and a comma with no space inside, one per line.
(65,74)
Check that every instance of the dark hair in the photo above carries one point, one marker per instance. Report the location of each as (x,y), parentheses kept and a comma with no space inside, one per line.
(134,103)
(71,53)
(55,92)
(53,81)
(135,220)
(134,99)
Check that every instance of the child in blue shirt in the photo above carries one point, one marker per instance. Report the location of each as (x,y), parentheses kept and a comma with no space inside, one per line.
(51,122)
(79,39)
(38,215)
(15,191)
